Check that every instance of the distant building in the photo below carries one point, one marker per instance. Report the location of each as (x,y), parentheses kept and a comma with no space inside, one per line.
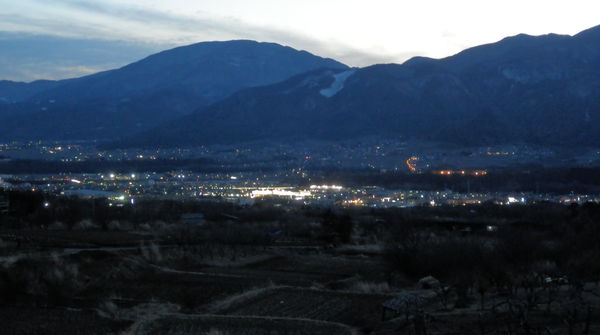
(3,183)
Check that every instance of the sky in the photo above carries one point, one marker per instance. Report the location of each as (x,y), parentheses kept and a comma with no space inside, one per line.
(84,36)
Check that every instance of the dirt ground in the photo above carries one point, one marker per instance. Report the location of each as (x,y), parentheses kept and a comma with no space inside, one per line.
(127,283)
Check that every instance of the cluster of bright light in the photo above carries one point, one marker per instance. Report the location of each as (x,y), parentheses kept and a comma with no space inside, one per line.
(280,193)
(355,202)
(463,172)
(326,187)
(513,200)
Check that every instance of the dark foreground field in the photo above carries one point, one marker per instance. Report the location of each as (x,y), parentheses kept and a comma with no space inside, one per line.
(279,268)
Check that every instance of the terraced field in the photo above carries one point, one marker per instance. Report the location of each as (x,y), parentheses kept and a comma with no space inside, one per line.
(56,321)
(189,290)
(329,264)
(305,271)
(353,309)
(184,325)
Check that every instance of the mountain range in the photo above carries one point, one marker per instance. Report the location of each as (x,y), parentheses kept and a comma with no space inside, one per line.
(138,96)
(523,89)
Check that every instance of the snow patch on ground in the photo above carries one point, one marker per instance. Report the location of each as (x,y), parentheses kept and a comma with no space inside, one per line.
(338,84)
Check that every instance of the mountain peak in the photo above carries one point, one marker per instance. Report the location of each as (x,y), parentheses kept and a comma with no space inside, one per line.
(418,60)
(236,48)
(521,39)
(519,89)
(158,88)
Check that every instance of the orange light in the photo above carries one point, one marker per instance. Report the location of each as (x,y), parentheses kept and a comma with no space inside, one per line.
(410,164)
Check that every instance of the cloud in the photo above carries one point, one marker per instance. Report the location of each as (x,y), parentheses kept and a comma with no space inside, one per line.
(122,21)
(77,70)
(35,72)
(26,57)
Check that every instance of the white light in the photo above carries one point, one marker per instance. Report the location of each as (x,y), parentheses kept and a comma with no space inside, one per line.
(112,175)
(133,175)
(46,204)
(280,193)
(76,181)
(326,187)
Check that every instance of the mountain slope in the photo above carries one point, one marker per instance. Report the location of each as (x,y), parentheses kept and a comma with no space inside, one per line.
(543,90)
(209,70)
(11,91)
(160,87)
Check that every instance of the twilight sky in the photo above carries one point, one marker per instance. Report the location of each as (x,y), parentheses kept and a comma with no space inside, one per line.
(64,38)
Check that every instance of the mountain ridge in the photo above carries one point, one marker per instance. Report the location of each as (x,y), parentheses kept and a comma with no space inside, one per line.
(533,89)
(157,88)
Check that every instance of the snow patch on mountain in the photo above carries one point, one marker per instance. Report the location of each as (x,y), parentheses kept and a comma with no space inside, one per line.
(338,83)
